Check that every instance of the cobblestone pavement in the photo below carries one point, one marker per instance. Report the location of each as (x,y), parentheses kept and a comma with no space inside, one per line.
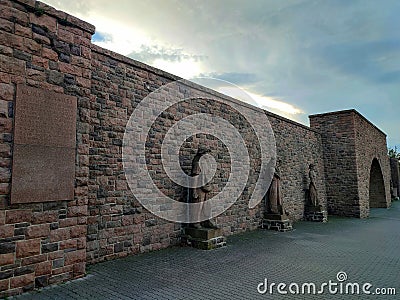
(368,250)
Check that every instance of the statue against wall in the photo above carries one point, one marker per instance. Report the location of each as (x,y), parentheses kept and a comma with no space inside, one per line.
(275,203)
(313,200)
(200,194)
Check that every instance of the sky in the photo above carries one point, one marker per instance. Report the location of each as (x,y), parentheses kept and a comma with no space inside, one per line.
(295,58)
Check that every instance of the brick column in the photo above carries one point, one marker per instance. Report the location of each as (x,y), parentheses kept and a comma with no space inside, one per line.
(43,242)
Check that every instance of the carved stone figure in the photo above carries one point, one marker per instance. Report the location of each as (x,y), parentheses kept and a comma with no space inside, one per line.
(200,194)
(275,203)
(313,194)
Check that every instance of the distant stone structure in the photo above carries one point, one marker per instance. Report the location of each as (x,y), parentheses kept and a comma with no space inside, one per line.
(86,213)
(395,179)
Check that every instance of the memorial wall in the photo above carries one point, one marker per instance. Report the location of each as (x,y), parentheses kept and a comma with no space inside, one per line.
(64,197)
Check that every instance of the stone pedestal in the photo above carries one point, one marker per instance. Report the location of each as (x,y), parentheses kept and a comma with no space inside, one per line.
(315,214)
(277,222)
(203,238)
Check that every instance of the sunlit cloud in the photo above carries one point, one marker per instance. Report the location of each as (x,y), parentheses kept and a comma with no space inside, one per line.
(269,103)
(186,68)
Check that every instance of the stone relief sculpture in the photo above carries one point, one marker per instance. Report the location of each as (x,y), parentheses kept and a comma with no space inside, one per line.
(275,204)
(313,194)
(200,194)
(313,208)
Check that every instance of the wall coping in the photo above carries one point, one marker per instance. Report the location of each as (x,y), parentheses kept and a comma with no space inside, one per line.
(63,18)
(130,61)
(348,111)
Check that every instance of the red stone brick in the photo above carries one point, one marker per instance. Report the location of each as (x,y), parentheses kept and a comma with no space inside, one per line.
(75,257)
(45,21)
(11,65)
(6,259)
(74,211)
(21,281)
(4,284)
(14,15)
(67,222)
(28,248)
(68,244)
(6,126)
(5,174)
(43,268)
(6,25)
(45,217)
(6,231)
(36,75)
(33,259)
(11,40)
(55,255)
(79,269)
(32,46)
(2,217)
(60,234)
(81,243)
(4,77)
(70,69)
(49,54)
(78,231)
(62,270)
(7,91)
(41,39)
(18,216)
(36,231)
(23,31)
(86,52)
(65,35)
(40,62)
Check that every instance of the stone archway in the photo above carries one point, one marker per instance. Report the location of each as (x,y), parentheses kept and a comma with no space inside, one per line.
(376,186)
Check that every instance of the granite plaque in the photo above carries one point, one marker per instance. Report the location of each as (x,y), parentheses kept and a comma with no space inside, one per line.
(42,173)
(44,118)
(44,146)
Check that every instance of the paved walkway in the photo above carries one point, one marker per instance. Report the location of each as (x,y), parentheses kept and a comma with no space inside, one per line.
(368,250)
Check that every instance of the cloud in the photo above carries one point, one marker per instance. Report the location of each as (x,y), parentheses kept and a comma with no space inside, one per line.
(265,102)
(234,77)
(313,55)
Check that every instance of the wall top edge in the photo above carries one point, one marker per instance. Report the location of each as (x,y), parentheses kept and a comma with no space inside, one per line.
(41,8)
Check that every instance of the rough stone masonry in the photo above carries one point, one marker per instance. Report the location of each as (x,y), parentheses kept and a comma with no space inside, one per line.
(65,202)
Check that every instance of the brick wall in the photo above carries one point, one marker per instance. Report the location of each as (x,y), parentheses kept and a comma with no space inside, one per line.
(370,145)
(118,225)
(297,147)
(394,167)
(350,143)
(49,242)
(42,243)
(337,131)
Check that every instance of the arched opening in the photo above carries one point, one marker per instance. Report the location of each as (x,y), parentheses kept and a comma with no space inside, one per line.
(376,186)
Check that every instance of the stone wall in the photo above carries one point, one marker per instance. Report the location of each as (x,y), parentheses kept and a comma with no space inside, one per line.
(395,170)
(42,243)
(118,225)
(298,146)
(370,145)
(337,131)
(350,143)
(45,242)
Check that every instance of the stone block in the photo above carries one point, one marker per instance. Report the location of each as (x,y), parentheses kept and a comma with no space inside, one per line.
(27,248)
